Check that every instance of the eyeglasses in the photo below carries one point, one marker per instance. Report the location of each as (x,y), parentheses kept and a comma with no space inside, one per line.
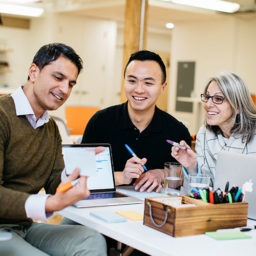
(216,99)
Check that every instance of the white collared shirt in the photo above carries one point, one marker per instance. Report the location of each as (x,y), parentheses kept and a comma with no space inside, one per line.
(23,108)
(35,204)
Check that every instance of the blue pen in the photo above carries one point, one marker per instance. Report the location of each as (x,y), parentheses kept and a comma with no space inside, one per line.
(195,190)
(238,194)
(133,154)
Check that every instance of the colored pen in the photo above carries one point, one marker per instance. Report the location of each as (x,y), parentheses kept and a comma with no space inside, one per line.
(194,190)
(206,195)
(238,193)
(67,186)
(176,144)
(133,154)
(229,197)
(192,195)
(211,197)
(245,229)
(203,195)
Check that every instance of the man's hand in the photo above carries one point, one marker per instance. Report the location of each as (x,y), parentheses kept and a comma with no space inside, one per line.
(150,180)
(132,170)
(63,199)
(97,150)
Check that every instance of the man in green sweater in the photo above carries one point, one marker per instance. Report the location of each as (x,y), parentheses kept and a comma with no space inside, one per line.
(31,159)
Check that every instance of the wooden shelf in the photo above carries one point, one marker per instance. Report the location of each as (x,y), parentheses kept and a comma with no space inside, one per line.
(4,64)
(4,70)
(4,50)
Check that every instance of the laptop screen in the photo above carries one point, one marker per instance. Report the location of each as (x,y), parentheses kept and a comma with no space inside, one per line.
(238,170)
(103,180)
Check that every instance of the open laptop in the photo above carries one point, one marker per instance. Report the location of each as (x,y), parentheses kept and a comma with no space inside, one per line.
(101,184)
(238,169)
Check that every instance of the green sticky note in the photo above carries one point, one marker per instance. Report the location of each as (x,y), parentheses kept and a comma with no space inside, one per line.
(227,235)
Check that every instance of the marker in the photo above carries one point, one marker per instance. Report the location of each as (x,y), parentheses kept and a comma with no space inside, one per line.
(203,195)
(245,229)
(226,189)
(194,190)
(176,145)
(238,193)
(133,154)
(67,186)
(229,197)
(211,197)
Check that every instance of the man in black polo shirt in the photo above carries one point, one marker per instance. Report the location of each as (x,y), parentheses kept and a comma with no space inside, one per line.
(140,124)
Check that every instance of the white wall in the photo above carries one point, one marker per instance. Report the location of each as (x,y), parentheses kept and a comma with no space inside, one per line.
(19,56)
(228,43)
(245,57)
(94,40)
(159,40)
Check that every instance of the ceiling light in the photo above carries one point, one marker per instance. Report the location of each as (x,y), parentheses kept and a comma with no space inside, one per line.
(21,10)
(169,25)
(19,1)
(216,5)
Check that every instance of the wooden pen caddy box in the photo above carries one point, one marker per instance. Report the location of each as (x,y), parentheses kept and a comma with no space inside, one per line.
(189,220)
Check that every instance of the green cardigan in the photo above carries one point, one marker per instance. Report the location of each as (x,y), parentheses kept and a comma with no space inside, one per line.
(30,159)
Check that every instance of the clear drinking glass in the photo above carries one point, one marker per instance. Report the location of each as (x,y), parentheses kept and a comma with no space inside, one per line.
(174,178)
(198,181)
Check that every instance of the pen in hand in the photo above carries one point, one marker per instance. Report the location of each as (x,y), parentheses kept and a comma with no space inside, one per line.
(133,154)
(67,186)
(176,145)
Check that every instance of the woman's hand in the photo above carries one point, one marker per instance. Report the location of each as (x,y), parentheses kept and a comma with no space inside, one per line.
(187,157)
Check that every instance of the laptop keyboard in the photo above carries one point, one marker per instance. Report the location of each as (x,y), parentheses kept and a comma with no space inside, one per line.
(104,195)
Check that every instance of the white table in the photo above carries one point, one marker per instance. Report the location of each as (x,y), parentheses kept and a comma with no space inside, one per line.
(4,236)
(153,242)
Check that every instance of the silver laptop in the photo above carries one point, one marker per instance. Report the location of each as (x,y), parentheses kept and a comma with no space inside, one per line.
(238,169)
(102,184)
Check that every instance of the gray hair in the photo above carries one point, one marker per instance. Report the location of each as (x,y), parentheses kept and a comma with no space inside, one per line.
(237,93)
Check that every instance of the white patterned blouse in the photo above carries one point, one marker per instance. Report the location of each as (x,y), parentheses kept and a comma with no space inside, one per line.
(208,145)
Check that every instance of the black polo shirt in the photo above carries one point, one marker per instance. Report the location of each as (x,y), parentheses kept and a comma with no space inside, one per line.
(113,125)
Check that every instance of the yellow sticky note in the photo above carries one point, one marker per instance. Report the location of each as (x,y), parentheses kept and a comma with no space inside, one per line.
(131,215)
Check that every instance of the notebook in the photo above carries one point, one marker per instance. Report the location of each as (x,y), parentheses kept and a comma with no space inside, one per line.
(101,183)
(238,169)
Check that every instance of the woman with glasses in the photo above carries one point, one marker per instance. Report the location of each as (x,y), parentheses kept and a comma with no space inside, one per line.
(230,125)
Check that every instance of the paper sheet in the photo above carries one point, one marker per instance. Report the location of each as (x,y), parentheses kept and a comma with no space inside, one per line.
(227,235)
(131,215)
(81,158)
(130,191)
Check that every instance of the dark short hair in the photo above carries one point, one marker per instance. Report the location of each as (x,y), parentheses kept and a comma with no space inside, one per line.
(51,52)
(147,55)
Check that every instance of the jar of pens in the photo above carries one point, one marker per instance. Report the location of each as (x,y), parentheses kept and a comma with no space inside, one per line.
(194,182)
(208,195)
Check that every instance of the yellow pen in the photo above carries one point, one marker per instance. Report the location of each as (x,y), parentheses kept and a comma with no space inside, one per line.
(67,186)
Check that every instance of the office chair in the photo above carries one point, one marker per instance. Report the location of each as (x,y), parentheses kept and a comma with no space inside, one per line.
(64,133)
(253,98)
(77,117)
